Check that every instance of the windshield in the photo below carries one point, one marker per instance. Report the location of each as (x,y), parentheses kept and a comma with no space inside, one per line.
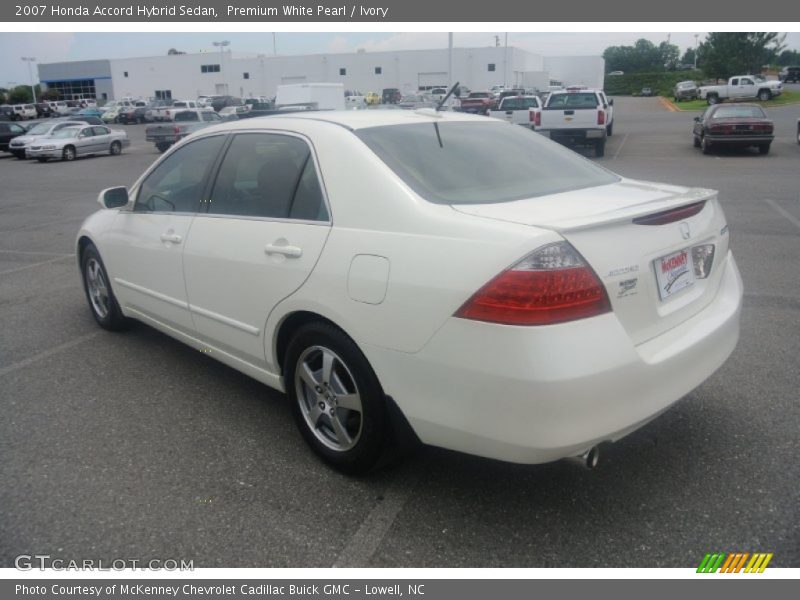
(439,162)
(739,112)
(67,132)
(39,129)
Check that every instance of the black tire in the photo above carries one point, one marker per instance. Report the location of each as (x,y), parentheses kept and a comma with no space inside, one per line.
(115,148)
(68,153)
(370,430)
(696,141)
(764,95)
(600,148)
(705,145)
(162,147)
(764,149)
(610,129)
(712,99)
(111,317)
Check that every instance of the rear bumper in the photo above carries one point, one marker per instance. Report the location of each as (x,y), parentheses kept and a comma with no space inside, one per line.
(575,136)
(740,140)
(538,394)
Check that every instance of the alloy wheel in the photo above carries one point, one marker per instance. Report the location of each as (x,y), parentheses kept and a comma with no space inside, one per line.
(97,288)
(329,399)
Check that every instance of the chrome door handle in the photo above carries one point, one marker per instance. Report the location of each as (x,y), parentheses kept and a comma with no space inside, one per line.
(287,251)
(171,237)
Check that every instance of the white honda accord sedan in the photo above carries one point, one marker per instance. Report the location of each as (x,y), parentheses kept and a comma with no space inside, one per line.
(523,304)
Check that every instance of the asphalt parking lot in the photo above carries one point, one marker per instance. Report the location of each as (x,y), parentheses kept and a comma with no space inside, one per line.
(133,445)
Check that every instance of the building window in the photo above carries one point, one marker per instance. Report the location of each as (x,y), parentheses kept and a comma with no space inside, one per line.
(125,73)
(209,68)
(246,75)
(378,70)
(491,66)
(342,71)
(163,94)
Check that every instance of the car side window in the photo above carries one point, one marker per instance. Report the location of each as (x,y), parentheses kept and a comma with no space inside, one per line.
(87,132)
(747,82)
(15,128)
(209,116)
(268,175)
(100,130)
(176,184)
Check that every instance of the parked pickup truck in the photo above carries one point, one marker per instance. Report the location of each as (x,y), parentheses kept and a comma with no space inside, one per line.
(167,113)
(578,117)
(520,110)
(186,122)
(477,102)
(741,87)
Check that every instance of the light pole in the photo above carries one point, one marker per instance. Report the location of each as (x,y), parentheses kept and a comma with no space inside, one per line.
(29,60)
(221,45)
(696,35)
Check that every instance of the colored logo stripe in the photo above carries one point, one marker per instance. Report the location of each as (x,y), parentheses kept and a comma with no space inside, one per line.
(734,562)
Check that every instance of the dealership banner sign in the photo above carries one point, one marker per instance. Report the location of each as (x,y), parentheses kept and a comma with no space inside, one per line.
(337,11)
(361,589)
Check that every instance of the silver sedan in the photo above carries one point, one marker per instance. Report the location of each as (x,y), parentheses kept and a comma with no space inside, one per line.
(71,142)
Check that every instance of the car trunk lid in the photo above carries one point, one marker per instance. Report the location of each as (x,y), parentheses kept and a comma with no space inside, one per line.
(639,238)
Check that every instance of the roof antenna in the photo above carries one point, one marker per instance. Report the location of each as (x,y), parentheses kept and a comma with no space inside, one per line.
(450,93)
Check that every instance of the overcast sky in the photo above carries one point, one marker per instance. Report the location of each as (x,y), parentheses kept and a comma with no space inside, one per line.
(56,47)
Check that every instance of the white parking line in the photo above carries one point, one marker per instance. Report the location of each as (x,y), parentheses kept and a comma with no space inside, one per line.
(35,253)
(370,534)
(616,154)
(39,264)
(42,355)
(783,212)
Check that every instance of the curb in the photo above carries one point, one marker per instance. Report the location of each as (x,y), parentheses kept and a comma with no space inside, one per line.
(668,104)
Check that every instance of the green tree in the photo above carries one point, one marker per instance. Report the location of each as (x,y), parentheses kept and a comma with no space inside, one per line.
(688,57)
(643,56)
(669,54)
(789,58)
(722,55)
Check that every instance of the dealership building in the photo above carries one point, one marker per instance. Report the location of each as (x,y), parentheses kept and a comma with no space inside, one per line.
(227,73)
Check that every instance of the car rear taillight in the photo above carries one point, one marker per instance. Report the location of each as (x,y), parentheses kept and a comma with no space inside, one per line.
(176,129)
(601,117)
(551,285)
(535,117)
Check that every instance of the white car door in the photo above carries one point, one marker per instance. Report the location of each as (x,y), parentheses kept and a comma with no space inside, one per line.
(143,250)
(747,88)
(265,225)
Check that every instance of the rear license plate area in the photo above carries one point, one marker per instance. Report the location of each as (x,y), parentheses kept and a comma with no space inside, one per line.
(674,272)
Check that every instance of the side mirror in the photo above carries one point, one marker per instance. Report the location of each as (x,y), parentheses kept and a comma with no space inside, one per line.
(611,101)
(115,197)
(697,119)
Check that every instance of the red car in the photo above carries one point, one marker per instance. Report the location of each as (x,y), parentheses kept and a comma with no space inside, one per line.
(477,102)
(739,125)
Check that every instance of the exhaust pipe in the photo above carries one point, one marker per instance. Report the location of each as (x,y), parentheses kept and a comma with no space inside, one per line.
(588,459)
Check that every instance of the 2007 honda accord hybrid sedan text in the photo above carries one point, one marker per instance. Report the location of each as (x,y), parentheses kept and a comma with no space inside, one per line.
(523,304)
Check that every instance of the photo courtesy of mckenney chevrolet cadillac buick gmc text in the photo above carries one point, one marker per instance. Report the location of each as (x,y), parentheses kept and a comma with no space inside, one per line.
(524,304)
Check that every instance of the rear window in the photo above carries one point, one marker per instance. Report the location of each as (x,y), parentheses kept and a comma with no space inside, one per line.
(581,100)
(519,103)
(439,162)
(186,116)
(739,112)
